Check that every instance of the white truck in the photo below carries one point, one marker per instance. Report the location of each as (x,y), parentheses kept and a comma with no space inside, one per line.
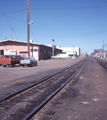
(29,61)
(60,56)
(68,54)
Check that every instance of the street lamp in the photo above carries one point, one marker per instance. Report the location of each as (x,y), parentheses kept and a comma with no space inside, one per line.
(31,22)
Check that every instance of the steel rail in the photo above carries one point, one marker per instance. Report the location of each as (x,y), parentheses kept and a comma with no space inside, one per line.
(29,116)
(32,85)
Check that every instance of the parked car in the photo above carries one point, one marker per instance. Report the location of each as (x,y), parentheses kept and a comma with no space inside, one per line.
(29,61)
(55,57)
(60,56)
(10,60)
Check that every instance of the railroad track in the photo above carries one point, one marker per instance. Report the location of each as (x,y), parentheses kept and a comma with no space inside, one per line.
(31,99)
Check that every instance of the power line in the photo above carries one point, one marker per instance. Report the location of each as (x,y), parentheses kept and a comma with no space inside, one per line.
(3,14)
(72,7)
(12,11)
(13,18)
(54,8)
(78,35)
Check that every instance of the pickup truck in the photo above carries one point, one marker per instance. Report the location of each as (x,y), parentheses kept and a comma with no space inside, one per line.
(10,60)
(29,61)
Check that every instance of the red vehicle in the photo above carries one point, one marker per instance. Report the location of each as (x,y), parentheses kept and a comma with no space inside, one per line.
(10,60)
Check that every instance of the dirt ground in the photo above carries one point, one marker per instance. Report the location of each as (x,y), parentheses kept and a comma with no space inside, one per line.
(13,79)
(44,68)
(84,98)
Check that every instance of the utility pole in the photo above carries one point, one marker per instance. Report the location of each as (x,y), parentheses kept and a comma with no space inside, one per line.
(103,49)
(53,50)
(28,25)
(53,47)
(73,50)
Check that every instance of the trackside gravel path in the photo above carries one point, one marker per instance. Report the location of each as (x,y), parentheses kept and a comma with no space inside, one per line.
(83,99)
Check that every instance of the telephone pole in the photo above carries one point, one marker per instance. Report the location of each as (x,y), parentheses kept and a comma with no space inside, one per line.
(28,25)
(103,45)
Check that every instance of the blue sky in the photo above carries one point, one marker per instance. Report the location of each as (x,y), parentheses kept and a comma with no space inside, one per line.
(79,23)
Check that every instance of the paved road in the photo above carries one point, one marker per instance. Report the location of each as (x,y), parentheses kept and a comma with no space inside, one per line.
(44,68)
(83,99)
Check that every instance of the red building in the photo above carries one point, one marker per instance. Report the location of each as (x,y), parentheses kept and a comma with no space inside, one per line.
(38,51)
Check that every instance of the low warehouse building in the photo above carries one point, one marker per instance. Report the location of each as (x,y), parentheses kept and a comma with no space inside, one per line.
(75,50)
(38,51)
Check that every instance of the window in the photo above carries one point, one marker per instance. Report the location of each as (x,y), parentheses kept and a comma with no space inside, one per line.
(5,56)
(23,54)
(39,47)
(28,58)
(49,52)
(13,57)
(31,50)
(44,51)
(39,52)
(19,57)
(64,52)
(34,50)
(70,55)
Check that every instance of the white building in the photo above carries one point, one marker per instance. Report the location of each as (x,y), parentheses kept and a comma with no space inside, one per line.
(74,50)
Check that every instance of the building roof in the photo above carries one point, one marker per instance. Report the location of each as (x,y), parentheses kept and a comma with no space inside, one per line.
(25,42)
(17,41)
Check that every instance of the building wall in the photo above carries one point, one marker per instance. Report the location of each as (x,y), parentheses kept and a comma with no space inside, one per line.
(37,51)
(46,52)
(19,47)
(72,49)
